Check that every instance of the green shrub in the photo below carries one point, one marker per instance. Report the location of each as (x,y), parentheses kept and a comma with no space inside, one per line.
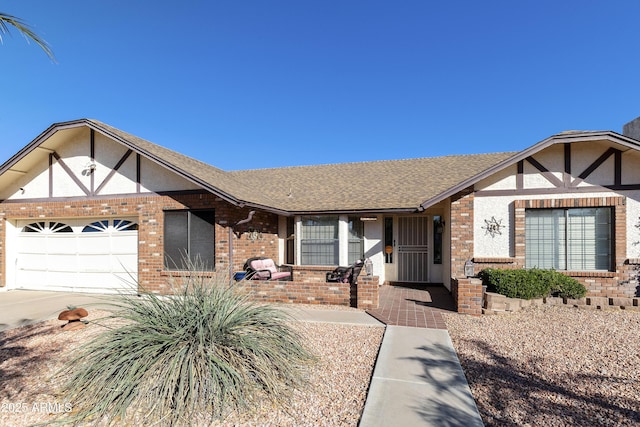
(531,283)
(207,350)
(568,287)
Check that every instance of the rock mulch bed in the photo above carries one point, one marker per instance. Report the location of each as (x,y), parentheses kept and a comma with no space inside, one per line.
(552,366)
(30,355)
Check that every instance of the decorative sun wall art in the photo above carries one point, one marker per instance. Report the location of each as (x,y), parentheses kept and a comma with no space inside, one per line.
(493,226)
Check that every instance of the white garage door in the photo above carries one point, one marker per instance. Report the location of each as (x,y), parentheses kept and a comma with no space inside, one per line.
(77,255)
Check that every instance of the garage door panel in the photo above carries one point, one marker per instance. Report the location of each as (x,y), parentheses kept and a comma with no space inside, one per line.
(30,278)
(62,255)
(124,241)
(33,261)
(31,245)
(62,262)
(94,246)
(62,278)
(125,263)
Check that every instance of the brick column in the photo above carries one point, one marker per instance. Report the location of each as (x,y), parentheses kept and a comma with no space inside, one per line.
(368,292)
(461,231)
(468,295)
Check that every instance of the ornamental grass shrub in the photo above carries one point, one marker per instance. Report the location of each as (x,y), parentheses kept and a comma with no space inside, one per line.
(206,350)
(531,283)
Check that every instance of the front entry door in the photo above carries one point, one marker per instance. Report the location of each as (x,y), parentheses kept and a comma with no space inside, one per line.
(413,249)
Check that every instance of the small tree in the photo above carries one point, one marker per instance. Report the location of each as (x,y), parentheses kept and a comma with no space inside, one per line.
(7,20)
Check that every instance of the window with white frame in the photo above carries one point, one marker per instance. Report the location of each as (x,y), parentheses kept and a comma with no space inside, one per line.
(319,243)
(574,239)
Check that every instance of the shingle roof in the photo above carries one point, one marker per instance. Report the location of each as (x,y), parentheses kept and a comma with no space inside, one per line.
(390,185)
(212,178)
(378,185)
(361,186)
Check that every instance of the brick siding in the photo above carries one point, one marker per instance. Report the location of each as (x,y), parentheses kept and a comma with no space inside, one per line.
(149,211)
(309,287)
(620,283)
(320,292)
(297,292)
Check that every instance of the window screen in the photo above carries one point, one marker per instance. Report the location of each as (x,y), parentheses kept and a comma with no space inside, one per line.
(189,236)
(319,242)
(356,240)
(579,239)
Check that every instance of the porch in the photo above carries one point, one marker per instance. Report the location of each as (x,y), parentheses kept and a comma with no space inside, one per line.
(415,305)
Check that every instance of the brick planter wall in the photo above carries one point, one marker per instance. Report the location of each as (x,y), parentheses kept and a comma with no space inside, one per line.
(297,292)
(366,295)
(311,273)
(467,293)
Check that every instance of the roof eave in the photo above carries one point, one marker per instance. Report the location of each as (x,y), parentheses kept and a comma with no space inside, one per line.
(37,141)
(353,211)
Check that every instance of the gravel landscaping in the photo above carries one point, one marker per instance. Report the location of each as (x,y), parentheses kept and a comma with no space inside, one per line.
(30,355)
(552,366)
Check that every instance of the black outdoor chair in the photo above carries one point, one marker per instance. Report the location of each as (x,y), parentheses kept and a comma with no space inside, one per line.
(346,274)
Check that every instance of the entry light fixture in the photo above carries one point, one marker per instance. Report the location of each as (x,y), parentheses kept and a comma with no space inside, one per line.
(469,268)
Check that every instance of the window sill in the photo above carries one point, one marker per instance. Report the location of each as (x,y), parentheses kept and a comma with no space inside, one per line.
(487,260)
(589,273)
(187,273)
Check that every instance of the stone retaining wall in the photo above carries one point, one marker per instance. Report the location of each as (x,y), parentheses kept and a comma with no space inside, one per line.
(496,304)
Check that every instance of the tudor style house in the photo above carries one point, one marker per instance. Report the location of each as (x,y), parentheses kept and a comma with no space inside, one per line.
(88,207)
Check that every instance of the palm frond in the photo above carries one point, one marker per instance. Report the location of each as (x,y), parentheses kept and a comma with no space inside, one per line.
(7,20)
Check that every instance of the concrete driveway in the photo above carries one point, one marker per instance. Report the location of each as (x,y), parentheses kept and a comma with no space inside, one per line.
(23,307)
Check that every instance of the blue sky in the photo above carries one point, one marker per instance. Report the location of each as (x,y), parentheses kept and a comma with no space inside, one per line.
(270,83)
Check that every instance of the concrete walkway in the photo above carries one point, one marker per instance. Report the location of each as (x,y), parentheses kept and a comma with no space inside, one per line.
(417,380)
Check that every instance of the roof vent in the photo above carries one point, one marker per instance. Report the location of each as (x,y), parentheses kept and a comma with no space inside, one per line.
(632,129)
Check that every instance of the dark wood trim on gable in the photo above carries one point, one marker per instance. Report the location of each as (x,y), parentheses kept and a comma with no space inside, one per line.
(545,172)
(520,175)
(138,172)
(113,171)
(618,168)
(566,176)
(92,154)
(593,166)
(556,191)
(50,175)
(567,186)
(71,174)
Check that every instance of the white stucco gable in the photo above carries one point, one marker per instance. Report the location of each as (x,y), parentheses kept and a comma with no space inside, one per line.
(603,167)
(79,162)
